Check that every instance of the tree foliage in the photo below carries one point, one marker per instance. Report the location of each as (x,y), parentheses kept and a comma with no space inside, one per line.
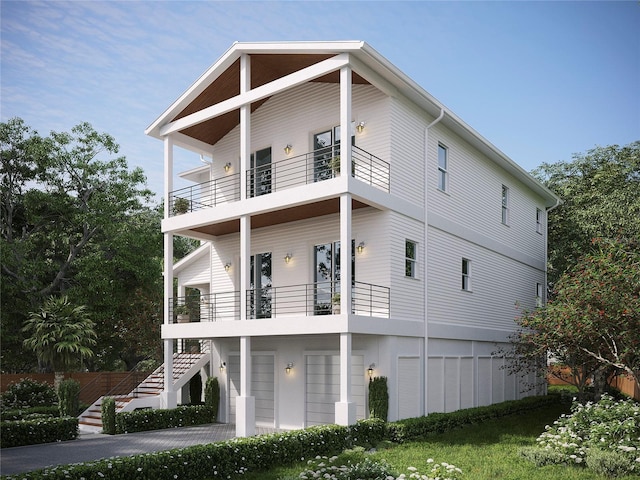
(75,221)
(61,334)
(600,193)
(593,320)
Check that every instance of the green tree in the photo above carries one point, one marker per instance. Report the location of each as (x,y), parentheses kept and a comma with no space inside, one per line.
(593,320)
(61,334)
(68,210)
(600,192)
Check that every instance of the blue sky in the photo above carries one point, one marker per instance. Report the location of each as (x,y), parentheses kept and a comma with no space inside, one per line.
(540,80)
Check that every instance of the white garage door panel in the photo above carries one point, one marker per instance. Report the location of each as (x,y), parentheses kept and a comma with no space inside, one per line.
(409,385)
(262,387)
(323,387)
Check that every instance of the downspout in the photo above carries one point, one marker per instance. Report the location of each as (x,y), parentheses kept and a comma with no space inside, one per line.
(425,348)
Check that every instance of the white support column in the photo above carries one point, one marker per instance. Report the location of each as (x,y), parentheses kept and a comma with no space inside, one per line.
(245,124)
(345,408)
(168,397)
(245,403)
(345,123)
(345,253)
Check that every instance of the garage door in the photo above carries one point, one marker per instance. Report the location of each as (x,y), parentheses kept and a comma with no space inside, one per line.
(262,372)
(323,387)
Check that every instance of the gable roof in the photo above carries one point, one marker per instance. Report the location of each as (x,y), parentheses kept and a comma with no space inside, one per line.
(274,60)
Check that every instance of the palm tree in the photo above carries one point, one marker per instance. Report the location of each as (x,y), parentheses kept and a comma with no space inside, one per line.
(61,335)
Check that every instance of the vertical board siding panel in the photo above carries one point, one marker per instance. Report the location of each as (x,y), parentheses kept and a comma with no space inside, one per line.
(451,384)
(498,380)
(435,377)
(466,382)
(409,387)
(484,381)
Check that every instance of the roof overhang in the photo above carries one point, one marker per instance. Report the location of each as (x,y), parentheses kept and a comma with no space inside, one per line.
(209,108)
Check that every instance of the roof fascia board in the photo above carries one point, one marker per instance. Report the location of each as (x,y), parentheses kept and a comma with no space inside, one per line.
(310,47)
(374,78)
(301,76)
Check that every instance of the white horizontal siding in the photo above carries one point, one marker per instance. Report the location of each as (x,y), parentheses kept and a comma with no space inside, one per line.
(407,294)
(474,195)
(197,273)
(497,284)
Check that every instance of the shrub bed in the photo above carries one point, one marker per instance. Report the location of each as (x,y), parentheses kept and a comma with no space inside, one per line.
(143,420)
(42,430)
(25,413)
(434,423)
(239,456)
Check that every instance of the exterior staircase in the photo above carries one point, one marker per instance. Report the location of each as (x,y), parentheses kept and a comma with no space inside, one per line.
(147,393)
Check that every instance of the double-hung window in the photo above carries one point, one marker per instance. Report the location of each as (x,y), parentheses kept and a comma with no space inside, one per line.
(410,258)
(539,220)
(505,205)
(443,160)
(539,295)
(466,274)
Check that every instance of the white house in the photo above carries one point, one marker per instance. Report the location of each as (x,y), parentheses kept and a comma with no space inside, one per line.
(444,234)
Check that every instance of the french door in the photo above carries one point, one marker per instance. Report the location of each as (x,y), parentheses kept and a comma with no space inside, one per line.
(326,154)
(260,286)
(327,276)
(260,174)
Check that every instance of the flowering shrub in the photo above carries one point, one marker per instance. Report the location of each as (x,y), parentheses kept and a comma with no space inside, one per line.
(40,430)
(143,420)
(28,393)
(606,426)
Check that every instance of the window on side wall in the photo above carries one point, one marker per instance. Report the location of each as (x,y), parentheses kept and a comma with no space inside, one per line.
(443,160)
(466,274)
(411,258)
(505,205)
(539,220)
(539,295)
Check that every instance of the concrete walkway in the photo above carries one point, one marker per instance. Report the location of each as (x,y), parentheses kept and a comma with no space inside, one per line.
(94,446)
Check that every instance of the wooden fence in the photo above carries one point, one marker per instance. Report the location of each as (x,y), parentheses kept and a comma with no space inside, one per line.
(625,383)
(96,383)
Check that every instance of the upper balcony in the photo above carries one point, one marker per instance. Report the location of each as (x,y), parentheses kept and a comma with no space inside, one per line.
(308,168)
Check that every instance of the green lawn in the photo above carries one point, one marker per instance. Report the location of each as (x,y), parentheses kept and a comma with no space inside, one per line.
(484,452)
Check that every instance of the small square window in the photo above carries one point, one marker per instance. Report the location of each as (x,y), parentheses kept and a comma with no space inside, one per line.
(411,258)
(466,274)
(505,205)
(539,220)
(442,167)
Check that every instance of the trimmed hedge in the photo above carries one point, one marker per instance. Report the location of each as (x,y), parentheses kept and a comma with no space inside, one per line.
(230,458)
(20,414)
(143,420)
(434,423)
(43,430)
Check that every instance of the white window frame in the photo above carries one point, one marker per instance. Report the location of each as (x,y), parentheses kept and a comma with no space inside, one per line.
(505,205)
(411,262)
(539,218)
(443,170)
(539,295)
(466,275)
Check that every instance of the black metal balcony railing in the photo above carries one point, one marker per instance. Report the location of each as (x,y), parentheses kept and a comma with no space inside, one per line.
(316,299)
(312,167)
(316,166)
(207,308)
(205,195)
(271,302)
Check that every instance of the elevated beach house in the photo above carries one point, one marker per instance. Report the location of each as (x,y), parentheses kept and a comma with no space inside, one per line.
(351,226)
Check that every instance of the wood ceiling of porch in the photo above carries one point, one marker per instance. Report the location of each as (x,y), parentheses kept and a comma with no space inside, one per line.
(301,212)
(264,69)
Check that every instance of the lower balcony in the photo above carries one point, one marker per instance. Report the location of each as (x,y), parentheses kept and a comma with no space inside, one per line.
(304,300)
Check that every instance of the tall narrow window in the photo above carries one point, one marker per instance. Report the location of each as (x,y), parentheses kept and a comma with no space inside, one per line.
(466,274)
(538,220)
(411,258)
(505,205)
(539,295)
(442,167)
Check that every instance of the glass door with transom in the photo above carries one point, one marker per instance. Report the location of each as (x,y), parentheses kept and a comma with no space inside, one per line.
(327,277)
(260,287)
(326,154)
